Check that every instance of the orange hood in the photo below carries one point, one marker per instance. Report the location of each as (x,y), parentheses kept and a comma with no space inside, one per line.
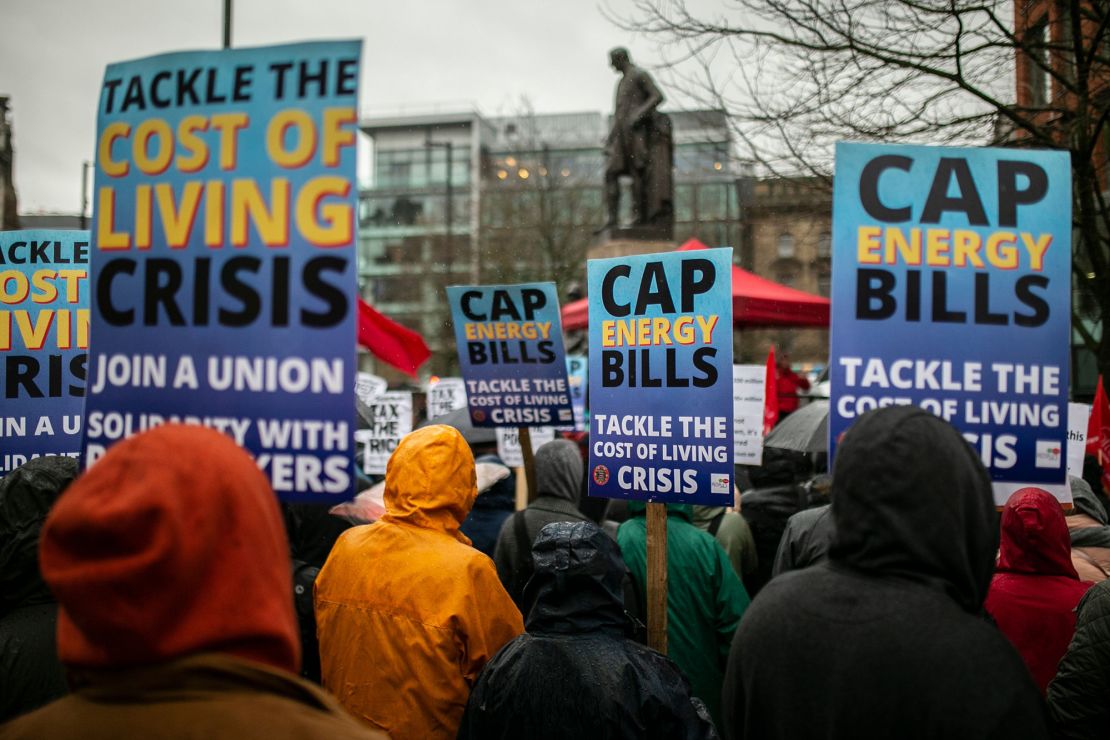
(171,544)
(430,481)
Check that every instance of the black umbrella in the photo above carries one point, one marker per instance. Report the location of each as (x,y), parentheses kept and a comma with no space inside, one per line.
(805,430)
(460,419)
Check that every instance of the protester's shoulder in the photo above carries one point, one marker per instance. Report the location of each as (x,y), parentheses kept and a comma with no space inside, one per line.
(1095,605)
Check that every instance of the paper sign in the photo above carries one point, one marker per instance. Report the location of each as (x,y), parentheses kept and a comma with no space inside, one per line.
(1079,414)
(951,290)
(44,338)
(577,379)
(390,419)
(510,344)
(223,256)
(508,443)
(749,384)
(661,377)
(368,386)
(445,396)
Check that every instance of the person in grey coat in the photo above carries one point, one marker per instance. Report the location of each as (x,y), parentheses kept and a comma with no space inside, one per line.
(558,467)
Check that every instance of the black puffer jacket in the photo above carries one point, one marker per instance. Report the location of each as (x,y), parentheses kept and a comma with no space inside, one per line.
(30,674)
(886,638)
(574,674)
(1079,696)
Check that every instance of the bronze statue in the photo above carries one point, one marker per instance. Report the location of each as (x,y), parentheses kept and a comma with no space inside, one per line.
(640,145)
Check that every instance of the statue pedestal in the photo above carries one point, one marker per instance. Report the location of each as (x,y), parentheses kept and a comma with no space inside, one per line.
(628,240)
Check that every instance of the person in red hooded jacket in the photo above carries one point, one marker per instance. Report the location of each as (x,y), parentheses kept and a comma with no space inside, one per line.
(169,561)
(1035,588)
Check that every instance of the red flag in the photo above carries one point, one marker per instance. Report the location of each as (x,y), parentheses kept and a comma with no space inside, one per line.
(1098,432)
(770,394)
(390,342)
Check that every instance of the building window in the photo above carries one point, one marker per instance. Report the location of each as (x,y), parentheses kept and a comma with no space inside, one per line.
(1038,62)
(824,244)
(786,245)
(786,278)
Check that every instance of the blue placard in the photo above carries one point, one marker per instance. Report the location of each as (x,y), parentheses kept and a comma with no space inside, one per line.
(224,256)
(951,291)
(661,377)
(510,344)
(44,339)
(577,377)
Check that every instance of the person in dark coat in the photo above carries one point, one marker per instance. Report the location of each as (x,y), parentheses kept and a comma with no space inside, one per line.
(492,507)
(887,638)
(558,467)
(30,673)
(574,674)
(805,541)
(1079,695)
(1035,587)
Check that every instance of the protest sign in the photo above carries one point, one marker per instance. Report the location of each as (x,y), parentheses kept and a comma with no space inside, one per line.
(390,419)
(749,383)
(508,443)
(510,344)
(444,396)
(577,378)
(44,338)
(369,386)
(224,256)
(661,377)
(1079,415)
(951,291)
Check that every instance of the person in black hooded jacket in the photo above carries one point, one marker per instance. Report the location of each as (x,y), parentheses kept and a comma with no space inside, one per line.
(30,673)
(886,639)
(574,674)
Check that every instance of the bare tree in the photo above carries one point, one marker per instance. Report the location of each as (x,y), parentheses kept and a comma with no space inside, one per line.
(797,75)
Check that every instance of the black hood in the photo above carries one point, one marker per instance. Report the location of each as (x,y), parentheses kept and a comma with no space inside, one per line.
(911,500)
(577,584)
(26,495)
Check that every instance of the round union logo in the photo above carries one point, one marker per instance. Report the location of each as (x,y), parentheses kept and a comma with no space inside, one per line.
(601,475)
(478,415)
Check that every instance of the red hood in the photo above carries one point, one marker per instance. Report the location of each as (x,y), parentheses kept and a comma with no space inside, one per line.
(1035,536)
(171,544)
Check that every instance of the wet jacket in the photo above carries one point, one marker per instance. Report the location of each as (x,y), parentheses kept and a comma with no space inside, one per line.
(171,568)
(575,674)
(558,467)
(30,673)
(805,541)
(211,694)
(733,534)
(1079,695)
(492,507)
(886,639)
(705,598)
(1090,533)
(407,612)
(1035,588)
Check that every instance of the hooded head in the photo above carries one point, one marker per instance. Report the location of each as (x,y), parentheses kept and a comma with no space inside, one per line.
(558,466)
(430,481)
(1035,538)
(911,500)
(171,544)
(577,586)
(26,496)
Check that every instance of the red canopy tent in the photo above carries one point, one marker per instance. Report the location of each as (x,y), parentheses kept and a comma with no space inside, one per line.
(756,302)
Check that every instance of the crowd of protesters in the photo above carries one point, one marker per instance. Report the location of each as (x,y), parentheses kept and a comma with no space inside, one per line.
(167,593)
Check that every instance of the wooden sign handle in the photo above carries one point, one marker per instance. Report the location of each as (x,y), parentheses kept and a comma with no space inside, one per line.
(525,437)
(657,576)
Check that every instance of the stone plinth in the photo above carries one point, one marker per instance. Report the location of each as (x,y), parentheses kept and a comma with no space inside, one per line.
(614,246)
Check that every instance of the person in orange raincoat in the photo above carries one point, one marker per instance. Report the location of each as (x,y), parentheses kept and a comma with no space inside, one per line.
(407,612)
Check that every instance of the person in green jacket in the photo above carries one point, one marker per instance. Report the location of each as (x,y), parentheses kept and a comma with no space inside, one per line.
(705,598)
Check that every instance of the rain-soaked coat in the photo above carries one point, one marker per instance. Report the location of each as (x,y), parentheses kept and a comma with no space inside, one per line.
(886,639)
(408,613)
(705,597)
(1035,587)
(30,673)
(575,674)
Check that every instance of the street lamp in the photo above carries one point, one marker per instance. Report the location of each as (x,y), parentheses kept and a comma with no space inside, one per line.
(449,147)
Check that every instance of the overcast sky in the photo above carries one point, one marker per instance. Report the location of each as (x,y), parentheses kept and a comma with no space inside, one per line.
(416,53)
